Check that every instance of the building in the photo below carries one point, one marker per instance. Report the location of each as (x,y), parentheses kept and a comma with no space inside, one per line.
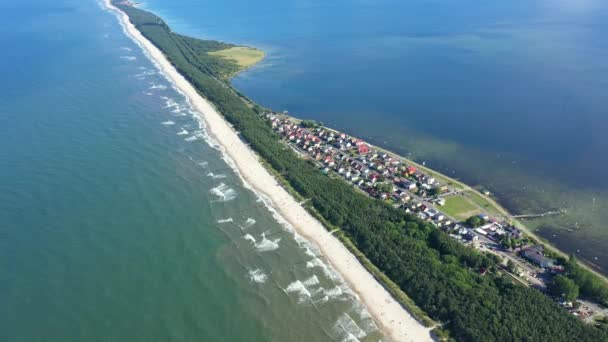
(536,255)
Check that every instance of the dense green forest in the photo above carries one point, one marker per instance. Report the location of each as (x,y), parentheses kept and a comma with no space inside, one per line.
(439,274)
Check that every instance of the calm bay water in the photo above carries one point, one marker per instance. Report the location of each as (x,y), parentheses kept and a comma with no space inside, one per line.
(510,95)
(120,220)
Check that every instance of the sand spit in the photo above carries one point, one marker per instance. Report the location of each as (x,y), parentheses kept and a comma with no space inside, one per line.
(390,316)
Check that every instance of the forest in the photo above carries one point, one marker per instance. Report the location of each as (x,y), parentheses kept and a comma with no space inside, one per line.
(439,274)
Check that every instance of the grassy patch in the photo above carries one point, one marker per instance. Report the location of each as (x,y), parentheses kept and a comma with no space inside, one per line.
(459,207)
(241,55)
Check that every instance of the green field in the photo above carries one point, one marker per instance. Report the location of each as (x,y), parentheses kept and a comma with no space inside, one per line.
(459,207)
(244,56)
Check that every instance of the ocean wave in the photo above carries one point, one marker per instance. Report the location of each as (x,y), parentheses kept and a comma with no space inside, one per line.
(225,220)
(142,75)
(126,48)
(249,222)
(169,102)
(249,237)
(168,123)
(347,329)
(183,132)
(329,273)
(312,281)
(158,86)
(203,164)
(196,135)
(214,176)
(299,288)
(128,58)
(223,192)
(265,245)
(258,276)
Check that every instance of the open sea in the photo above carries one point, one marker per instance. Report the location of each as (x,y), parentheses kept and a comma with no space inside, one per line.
(508,96)
(121,220)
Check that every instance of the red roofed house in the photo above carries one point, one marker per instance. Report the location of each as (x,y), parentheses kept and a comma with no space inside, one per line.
(362,148)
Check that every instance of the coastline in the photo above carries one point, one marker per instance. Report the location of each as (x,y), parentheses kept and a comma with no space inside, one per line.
(392,319)
(496,206)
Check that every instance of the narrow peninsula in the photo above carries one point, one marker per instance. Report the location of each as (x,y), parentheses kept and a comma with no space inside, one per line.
(395,253)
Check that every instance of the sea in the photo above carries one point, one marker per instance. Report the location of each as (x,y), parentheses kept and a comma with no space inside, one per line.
(121,219)
(507,96)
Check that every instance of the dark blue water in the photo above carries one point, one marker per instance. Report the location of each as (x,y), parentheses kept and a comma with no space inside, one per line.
(120,220)
(506,95)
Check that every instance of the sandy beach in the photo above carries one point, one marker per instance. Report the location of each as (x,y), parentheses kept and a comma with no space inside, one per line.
(391,317)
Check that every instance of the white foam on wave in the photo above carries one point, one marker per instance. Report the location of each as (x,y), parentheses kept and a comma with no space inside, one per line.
(223,192)
(128,58)
(312,281)
(168,123)
(158,86)
(183,132)
(203,164)
(225,220)
(249,237)
(214,176)
(169,102)
(196,135)
(347,329)
(329,273)
(267,245)
(126,48)
(142,75)
(258,276)
(249,222)
(299,288)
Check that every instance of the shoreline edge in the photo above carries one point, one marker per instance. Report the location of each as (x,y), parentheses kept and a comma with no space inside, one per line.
(392,318)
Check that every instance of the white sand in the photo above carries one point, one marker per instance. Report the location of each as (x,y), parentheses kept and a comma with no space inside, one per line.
(391,317)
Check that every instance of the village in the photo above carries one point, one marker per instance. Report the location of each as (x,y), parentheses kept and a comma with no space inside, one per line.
(405,185)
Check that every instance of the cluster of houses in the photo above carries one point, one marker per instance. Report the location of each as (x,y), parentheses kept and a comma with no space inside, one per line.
(387,177)
(378,173)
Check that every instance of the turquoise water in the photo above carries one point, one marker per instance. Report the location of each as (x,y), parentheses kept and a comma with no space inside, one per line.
(509,96)
(120,220)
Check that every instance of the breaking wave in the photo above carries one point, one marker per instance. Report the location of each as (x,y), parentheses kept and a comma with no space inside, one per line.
(347,329)
(258,276)
(183,132)
(250,222)
(299,288)
(312,281)
(249,237)
(265,245)
(214,176)
(227,220)
(329,273)
(168,123)
(223,192)
(158,86)
(128,58)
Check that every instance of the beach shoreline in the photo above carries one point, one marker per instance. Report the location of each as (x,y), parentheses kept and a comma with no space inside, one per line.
(391,317)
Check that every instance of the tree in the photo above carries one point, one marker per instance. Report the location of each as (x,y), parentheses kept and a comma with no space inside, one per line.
(511,267)
(564,287)
(384,187)
(475,221)
(309,124)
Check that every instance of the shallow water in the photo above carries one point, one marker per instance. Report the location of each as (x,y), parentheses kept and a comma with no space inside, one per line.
(121,221)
